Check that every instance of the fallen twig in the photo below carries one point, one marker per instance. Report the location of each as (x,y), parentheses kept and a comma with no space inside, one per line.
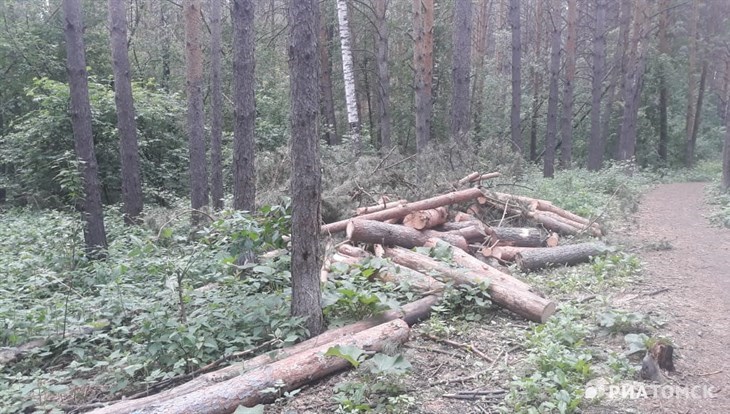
(468,347)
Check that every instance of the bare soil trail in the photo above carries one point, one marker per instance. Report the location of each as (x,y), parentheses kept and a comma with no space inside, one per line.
(695,272)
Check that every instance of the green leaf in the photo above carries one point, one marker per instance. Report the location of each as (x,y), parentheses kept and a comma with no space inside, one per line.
(389,364)
(351,354)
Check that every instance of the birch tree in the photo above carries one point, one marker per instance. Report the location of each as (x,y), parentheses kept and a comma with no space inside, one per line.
(348,71)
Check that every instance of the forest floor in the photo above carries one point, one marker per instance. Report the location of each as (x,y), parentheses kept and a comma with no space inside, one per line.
(684,290)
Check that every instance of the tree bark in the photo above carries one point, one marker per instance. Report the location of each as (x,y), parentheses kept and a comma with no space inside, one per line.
(596,143)
(306,182)
(244,144)
(399,212)
(376,232)
(536,79)
(381,8)
(195,126)
(697,117)
(552,109)
(216,106)
(460,71)
(482,32)
(252,388)
(515,114)
(501,291)
(126,124)
(567,255)
(516,236)
(380,207)
(423,69)
(348,71)
(80,108)
(566,146)
(726,157)
(663,90)
(691,86)
(326,36)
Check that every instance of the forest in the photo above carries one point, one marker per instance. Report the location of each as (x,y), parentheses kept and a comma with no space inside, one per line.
(226,205)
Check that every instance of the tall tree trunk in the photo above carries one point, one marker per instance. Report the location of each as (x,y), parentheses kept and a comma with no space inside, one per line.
(726,157)
(536,79)
(196,130)
(460,71)
(423,67)
(326,36)
(597,144)
(482,32)
(552,109)
(126,124)
(566,146)
(306,177)
(165,44)
(697,117)
(691,82)
(94,233)
(516,132)
(381,8)
(348,70)
(216,106)
(633,84)
(663,91)
(618,69)
(244,68)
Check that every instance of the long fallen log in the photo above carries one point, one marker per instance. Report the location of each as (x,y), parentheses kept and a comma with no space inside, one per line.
(472,234)
(254,387)
(376,232)
(426,219)
(570,254)
(410,313)
(505,253)
(399,212)
(470,262)
(379,207)
(519,301)
(516,236)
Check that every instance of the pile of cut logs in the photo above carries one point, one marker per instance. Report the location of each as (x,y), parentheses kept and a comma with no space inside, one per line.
(479,252)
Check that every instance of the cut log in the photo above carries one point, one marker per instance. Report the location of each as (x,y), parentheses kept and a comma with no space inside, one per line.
(254,387)
(557,256)
(470,262)
(451,225)
(399,212)
(375,232)
(552,240)
(506,253)
(486,176)
(426,219)
(515,236)
(350,250)
(411,313)
(554,224)
(380,207)
(461,216)
(472,234)
(468,179)
(519,301)
(402,275)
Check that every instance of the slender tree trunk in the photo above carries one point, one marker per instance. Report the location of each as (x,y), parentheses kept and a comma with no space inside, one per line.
(326,35)
(381,8)
(597,144)
(552,109)
(566,147)
(216,106)
(306,177)
(536,79)
(348,70)
(632,85)
(196,130)
(165,76)
(691,82)
(92,212)
(423,67)
(244,68)
(516,132)
(618,69)
(460,71)
(482,32)
(726,157)
(663,90)
(697,117)
(126,124)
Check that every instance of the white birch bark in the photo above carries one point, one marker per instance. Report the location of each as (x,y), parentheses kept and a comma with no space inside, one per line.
(349,73)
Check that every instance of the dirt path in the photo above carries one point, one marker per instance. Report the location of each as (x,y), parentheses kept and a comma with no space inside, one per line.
(696,270)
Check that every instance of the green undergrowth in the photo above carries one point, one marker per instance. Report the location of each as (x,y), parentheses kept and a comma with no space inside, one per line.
(165,302)
(719,202)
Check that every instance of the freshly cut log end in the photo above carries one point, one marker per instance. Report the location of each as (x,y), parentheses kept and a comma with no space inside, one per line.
(426,219)
(572,254)
(552,240)
(461,216)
